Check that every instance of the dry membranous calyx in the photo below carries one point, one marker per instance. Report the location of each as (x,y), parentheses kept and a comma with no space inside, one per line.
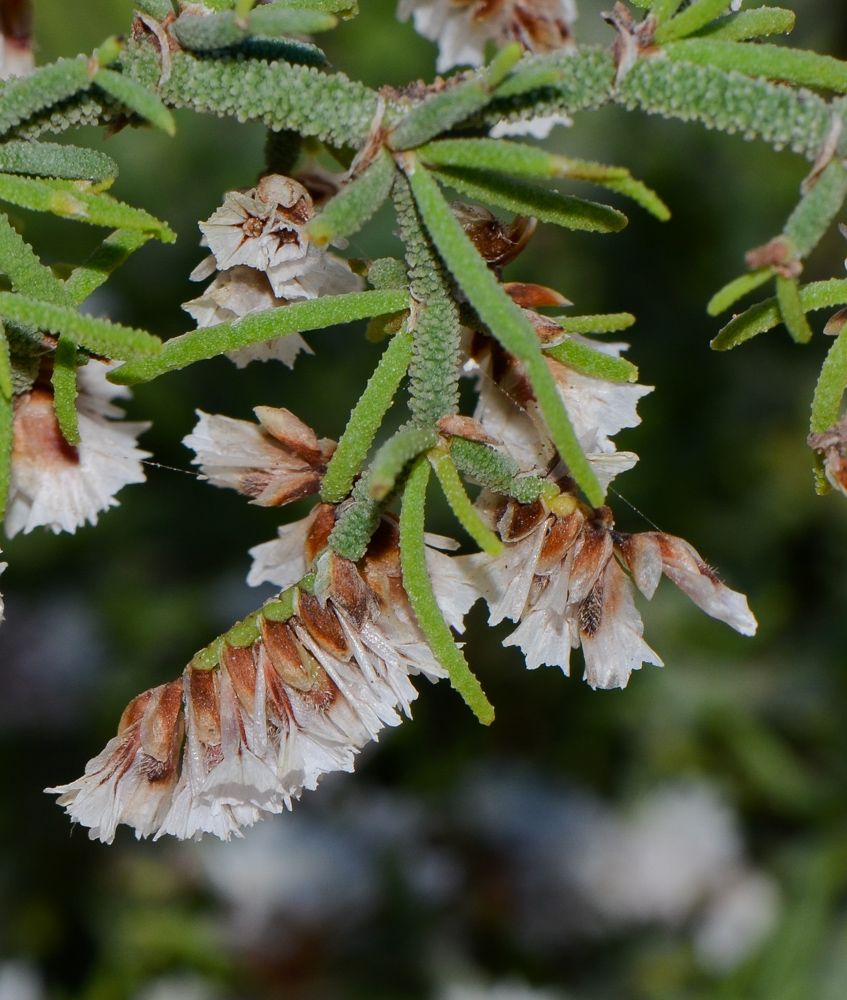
(367,598)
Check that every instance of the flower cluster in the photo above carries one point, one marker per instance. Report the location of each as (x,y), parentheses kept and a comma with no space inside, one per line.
(284,698)
(263,258)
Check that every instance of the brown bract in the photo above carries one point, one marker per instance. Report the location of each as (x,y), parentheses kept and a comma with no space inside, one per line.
(777,254)
(498,242)
(635,38)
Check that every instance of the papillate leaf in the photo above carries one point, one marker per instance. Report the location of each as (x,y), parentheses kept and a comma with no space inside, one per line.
(50,159)
(418,586)
(366,419)
(737,289)
(100,336)
(757,23)
(25,271)
(392,457)
(109,256)
(26,96)
(597,323)
(355,203)
(588,360)
(64,388)
(77,200)
(766,315)
(775,62)
(297,317)
(518,196)
(695,16)
(461,504)
(813,215)
(137,98)
(829,391)
(791,309)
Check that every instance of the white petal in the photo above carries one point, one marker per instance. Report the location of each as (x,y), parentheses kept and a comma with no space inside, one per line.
(614,648)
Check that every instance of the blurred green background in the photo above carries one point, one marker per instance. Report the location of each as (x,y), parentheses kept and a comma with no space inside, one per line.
(685,838)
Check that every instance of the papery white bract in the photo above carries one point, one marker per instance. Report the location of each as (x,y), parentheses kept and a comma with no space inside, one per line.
(55,484)
(462,27)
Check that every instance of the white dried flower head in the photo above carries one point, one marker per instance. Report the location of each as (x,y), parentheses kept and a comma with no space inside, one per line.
(539,126)
(278,460)
(131,781)
(463,27)
(736,921)
(558,577)
(61,486)
(264,229)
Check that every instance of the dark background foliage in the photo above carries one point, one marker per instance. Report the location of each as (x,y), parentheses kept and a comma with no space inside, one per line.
(449,857)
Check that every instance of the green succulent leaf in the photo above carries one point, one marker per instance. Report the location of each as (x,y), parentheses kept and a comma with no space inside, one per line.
(766,315)
(297,317)
(7,419)
(497,472)
(791,309)
(137,98)
(25,271)
(26,96)
(209,32)
(518,196)
(99,336)
(589,361)
(156,8)
(397,452)
(461,504)
(737,289)
(505,320)
(418,586)
(355,203)
(819,205)
(77,200)
(746,24)
(521,160)
(108,257)
(775,62)
(50,159)
(664,10)
(597,323)
(829,390)
(695,16)
(366,418)
(453,105)
(64,389)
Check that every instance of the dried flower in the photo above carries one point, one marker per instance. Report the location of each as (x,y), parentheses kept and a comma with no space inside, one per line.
(833,444)
(273,463)
(61,486)
(559,579)
(16,58)
(462,27)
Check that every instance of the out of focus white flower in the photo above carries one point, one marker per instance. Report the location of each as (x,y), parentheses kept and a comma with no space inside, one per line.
(60,486)
(736,921)
(462,27)
(662,861)
(274,462)
(179,987)
(506,989)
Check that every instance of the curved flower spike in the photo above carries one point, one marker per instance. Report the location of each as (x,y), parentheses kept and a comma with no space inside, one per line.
(60,486)
(273,463)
